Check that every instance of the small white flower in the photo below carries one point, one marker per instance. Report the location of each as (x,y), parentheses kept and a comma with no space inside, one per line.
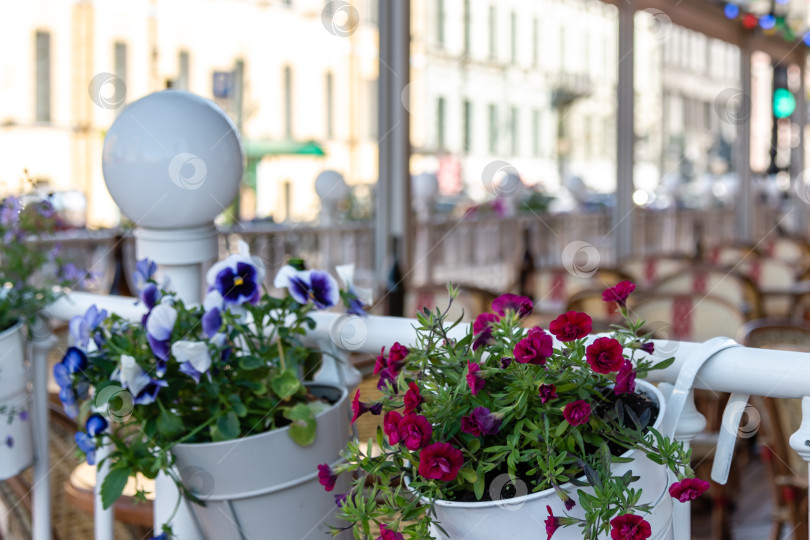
(282,280)
(161,321)
(194,352)
(133,376)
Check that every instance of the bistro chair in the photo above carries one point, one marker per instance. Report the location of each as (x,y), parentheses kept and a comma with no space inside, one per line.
(701,280)
(787,471)
(647,271)
(775,280)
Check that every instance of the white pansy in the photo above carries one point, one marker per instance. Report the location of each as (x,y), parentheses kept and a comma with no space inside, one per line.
(213,300)
(282,280)
(133,376)
(161,321)
(194,352)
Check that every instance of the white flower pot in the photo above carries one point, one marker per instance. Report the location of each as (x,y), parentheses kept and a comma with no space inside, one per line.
(266,486)
(16,436)
(523,517)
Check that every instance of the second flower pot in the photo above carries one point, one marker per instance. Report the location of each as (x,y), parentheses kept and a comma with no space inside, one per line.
(523,517)
(266,486)
(16,435)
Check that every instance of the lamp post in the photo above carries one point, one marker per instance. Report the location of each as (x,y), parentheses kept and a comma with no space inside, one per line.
(172,162)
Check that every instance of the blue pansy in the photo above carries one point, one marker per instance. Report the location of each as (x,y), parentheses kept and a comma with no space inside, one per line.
(211,322)
(87,444)
(144,272)
(159,326)
(95,425)
(238,284)
(74,360)
(82,326)
(149,295)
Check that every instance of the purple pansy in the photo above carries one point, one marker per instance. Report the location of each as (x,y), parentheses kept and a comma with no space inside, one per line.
(144,272)
(82,326)
(194,358)
(481,421)
(95,425)
(159,326)
(134,378)
(149,295)
(315,285)
(238,284)
(211,322)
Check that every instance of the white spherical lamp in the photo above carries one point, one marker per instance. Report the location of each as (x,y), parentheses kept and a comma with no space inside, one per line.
(172,160)
(331,187)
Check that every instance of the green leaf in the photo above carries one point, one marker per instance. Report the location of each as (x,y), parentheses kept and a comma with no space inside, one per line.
(228,426)
(304,427)
(286,384)
(250,362)
(113,485)
(663,364)
(169,426)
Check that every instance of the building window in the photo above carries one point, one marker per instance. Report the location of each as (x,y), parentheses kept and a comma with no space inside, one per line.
(467,126)
(374,108)
(120,58)
(330,106)
(493,23)
(440,111)
(493,128)
(514,129)
(182,71)
(288,105)
(535,40)
(43,77)
(536,132)
(467,16)
(440,22)
(513,38)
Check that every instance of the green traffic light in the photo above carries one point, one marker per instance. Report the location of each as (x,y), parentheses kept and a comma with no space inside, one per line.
(783,103)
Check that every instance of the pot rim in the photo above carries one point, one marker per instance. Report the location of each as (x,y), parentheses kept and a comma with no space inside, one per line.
(647,388)
(344,392)
(11,329)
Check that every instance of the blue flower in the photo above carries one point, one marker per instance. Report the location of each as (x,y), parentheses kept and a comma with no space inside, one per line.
(211,322)
(10,211)
(74,360)
(144,272)
(149,393)
(134,378)
(159,326)
(62,376)
(82,326)
(149,295)
(305,285)
(161,536)
(68,398)
(194,357)
(95,425)
(87,444)
(239,284)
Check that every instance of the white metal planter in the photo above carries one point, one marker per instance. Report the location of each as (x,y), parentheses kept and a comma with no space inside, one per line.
(523,517)
(266,486)
(16,436)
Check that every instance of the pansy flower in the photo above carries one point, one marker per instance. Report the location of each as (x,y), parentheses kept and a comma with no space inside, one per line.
(82,326)
(159,326)
(193,356)
(95,425)
(237,278)
(144,389)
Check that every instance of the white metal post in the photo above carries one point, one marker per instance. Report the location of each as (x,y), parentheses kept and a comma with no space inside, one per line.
(103,520)
(625,138)
(42,342)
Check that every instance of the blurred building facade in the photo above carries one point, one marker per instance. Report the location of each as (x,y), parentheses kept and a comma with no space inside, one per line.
(75,63)
(532,84)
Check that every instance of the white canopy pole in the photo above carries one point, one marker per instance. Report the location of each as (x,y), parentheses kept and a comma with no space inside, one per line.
(625,139)
(744,210)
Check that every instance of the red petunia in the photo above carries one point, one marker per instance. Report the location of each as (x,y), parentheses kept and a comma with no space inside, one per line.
(440,461)
(577,412)
(326,477)
(521,305)
(535,348)
(387,534)
(484,321)
(629,527)
(605,355)
(547,392)
(413,399)
(552,523)
(688,489)
(570,326)
(391,427)
(619,292)
(415,431)
(474,380)
(625,379)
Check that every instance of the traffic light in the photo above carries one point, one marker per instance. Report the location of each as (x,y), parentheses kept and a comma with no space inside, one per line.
(783,103)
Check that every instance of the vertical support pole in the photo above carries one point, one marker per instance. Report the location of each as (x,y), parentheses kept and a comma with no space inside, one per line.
(384,123)
(393,185)
(800,441)
(625,139)
(103,520)
(800,208)
(690,423)
(42,342)
(744,209)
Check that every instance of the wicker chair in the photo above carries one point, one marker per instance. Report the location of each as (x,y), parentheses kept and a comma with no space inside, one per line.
(734,287)
(787,471)
(553,287)
(730,255)
(649,270)
(690,317)
(770,275)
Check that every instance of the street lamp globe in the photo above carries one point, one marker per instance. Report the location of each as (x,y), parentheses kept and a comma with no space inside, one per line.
(172,160)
